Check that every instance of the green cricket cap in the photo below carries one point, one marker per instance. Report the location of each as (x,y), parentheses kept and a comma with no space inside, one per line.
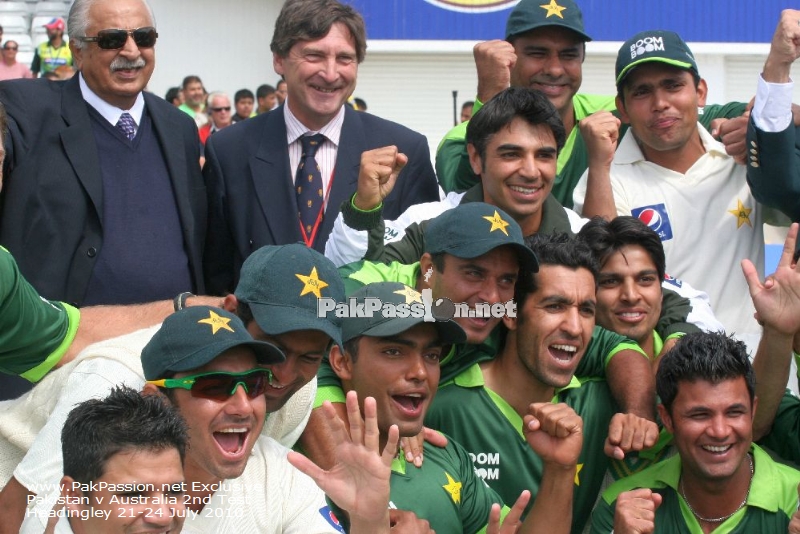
(472,229)
(192,337)
(532,14)
(282,284)
(655,45)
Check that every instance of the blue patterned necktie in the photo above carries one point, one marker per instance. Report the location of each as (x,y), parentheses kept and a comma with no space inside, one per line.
(127,126)
(308,186)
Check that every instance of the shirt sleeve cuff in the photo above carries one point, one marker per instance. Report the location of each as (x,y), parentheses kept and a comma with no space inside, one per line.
(359,219)
(772,111)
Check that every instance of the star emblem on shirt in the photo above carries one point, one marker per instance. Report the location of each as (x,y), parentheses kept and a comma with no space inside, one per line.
(453,488)
(312,283)
(216,322)
(497,223)
(553,9)
(411,295)
(742,214)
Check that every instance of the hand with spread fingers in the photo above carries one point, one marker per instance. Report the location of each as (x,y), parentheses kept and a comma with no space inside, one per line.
(513,520)
(359,481)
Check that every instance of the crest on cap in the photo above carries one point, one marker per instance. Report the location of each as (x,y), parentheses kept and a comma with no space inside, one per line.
(312,283)
(498,223)
(411,295)
(553,9)
(216,322)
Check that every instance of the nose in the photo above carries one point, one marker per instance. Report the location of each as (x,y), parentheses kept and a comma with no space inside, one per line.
(717,427)
(239,403)
(131,49)
(329,70)
(417,371)
(660,101)
(163,514)
(571,323)
(528,168)
(630,291)
(553,66)
(489,292)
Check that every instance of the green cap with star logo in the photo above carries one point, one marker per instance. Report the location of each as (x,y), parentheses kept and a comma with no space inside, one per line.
(192,337)
(282,284)
(475,228)
(389,320)
(532,14)
(654,45)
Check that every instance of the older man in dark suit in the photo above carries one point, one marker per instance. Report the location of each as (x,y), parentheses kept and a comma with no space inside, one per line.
(280,177)
(103,201)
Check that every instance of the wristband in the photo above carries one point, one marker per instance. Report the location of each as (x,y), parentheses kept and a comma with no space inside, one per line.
(179,302)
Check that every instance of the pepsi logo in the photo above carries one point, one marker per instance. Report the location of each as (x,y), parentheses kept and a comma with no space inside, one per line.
(651,218)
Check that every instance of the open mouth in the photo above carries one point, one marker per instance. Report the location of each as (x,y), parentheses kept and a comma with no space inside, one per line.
(231,440)
(563,353)
(410,404)
(324,89)
(631,316)
(719,449)
(524,190)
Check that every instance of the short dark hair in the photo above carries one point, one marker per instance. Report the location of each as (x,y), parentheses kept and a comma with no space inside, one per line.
(191,79)
(351,347)
(468,104)
(244,313)
(243,93)
(527,104)
(709,356)
(558,249)
(606,237)
(264,90)
(97,429)
(172,94)
(309,20)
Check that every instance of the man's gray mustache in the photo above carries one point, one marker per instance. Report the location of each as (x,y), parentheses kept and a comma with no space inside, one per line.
(120,63)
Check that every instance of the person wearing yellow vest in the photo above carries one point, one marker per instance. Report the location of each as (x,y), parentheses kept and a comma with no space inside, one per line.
(54,53)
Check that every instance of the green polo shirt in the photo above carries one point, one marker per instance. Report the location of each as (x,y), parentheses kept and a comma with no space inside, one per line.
(770,505)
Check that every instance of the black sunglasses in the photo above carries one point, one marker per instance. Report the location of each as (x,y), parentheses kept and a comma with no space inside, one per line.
(226,108)
(9,48)
(115,39)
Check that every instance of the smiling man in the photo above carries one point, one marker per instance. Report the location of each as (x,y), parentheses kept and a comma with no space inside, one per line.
(281,177)
(719,478)
(101,183)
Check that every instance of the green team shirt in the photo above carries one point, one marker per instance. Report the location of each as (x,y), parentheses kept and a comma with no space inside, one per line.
(784,436)
(34,333)
(455,173)
(491,431)
(770,505)
(445,490)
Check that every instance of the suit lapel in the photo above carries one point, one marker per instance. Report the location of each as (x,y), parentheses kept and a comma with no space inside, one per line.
(79,143)
(273,180)
(345,175)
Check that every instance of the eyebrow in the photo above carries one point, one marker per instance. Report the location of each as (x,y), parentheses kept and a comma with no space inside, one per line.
(397,340)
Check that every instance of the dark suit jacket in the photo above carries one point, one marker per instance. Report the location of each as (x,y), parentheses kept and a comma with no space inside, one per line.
(773,168)
(252,201)
(51,204)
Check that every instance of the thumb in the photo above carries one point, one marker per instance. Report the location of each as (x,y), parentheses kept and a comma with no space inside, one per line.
(715,124)
(400,161)
(657,499)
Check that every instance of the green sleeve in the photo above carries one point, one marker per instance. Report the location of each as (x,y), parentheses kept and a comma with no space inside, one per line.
(602,347)
(329,385)
(34,333)
(675,311)
(731,110)
(452,162)
(784,436)
(603,517)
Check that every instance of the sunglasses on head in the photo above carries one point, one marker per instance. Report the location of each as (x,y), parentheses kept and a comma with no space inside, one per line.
(115,39)
(220,385)
(226,108)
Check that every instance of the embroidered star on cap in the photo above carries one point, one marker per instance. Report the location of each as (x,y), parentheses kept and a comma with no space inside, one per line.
(553,9)
(312,283)
(410,294)
(216,322)
(497,223)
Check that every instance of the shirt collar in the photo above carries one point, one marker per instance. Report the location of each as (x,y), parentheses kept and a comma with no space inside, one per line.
(296,129)
(109,112)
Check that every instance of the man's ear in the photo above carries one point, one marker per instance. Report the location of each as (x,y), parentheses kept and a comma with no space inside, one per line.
(621,108)
(231,303)
(474,159)
(665,418)
(702,93)
(277,63)
(72,493)
(341,363)
(77,54)
(426,270)
(150,389)
(510,322)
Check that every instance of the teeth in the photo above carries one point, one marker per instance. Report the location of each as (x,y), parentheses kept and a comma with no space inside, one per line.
(416,395)
(324,90)
(631,315)
(565,348)
(524,190)
(711,448)
(232,431)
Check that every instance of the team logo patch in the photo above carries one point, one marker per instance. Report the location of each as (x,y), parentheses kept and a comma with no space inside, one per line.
(474,6)
(655,216)
(677,282)
(331,518)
